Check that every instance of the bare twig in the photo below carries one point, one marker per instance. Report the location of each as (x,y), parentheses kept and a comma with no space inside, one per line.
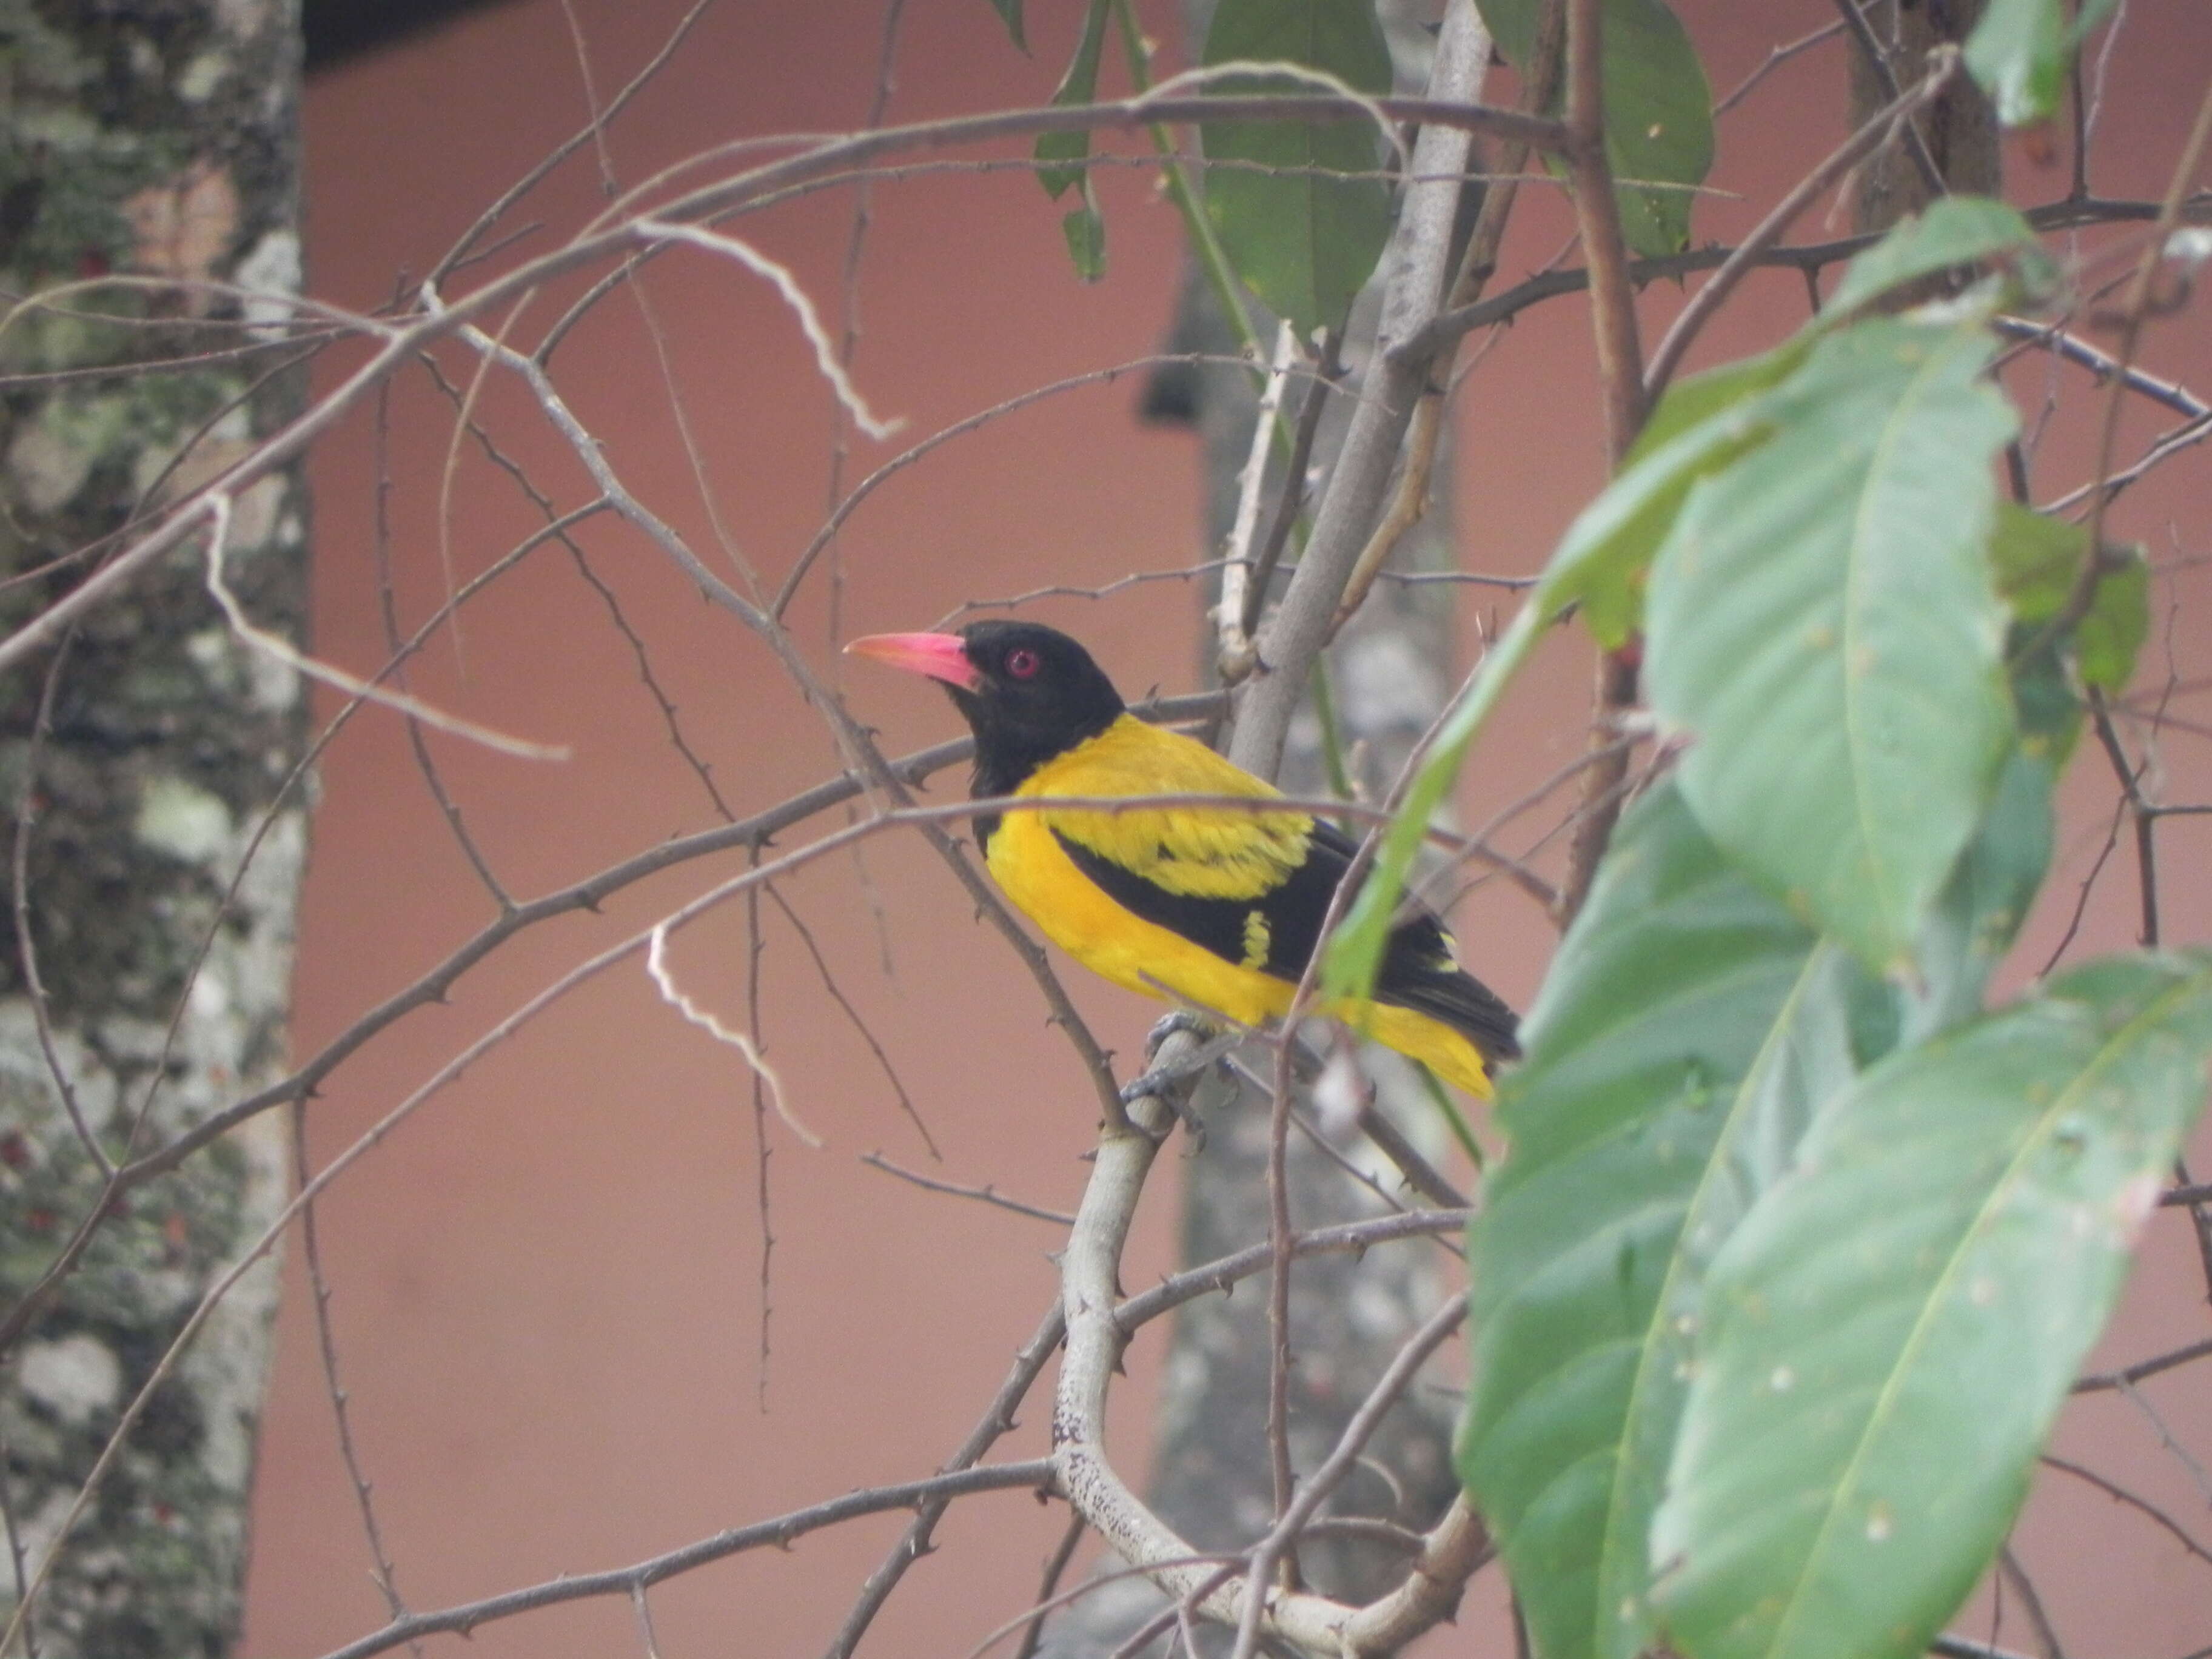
(16,1556)
(1877,63)
(998,1419)
(2046,1633)
(2129,1375)
(26,952)
(318,1289)
(1357,1433)
(779,1533)
(1620,372)
(2135,311)
(1233,643)
(1047,1592)
(2135,1501)
(1269,560)
(388,613)
(1776,56)
(986,1194)
(855,1019)
(2171,393)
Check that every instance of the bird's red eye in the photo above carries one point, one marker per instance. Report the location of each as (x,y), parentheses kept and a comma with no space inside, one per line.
(1022,663)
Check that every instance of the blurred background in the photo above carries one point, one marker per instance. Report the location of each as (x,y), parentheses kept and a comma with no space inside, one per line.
(564,1343)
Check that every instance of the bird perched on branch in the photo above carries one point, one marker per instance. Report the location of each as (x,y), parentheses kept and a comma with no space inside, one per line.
(1215,908)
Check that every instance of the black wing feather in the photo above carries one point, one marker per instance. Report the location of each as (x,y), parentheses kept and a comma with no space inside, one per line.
(1417,972)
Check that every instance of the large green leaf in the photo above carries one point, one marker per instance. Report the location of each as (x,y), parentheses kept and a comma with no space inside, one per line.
(1889,1333)
(1658,111)
(1301,240)
(2019,51)
(1688,1026)
(1821,621)
(1701,424)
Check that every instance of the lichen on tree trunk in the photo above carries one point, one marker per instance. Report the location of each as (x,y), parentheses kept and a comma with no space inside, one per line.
(157,140)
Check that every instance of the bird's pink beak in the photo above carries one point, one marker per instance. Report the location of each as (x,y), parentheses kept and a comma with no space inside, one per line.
(940,656)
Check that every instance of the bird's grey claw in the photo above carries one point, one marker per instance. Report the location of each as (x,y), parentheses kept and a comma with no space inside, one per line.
(1182,1019)
(1159,1081)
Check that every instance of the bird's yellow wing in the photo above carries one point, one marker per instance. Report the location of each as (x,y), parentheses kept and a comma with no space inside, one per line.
(1219,853)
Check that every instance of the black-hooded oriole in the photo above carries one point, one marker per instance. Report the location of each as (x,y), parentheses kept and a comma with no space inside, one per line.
(1215,908)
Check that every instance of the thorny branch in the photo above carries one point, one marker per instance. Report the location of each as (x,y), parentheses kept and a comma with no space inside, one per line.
(1620,376)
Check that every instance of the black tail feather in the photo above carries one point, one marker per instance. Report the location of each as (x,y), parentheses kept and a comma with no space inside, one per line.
(1461,1001)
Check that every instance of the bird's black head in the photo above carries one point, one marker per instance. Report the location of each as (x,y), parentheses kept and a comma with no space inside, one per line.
(1028,692)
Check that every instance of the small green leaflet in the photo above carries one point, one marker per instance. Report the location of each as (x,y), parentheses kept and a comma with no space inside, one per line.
(2038,560)
(2019,52)
(1889,1333)
(1301,240)
(1085,227)
(1078,86)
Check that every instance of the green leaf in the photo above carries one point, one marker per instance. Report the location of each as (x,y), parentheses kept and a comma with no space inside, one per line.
(1979,914)
(1078,86)
(2108,638)
(1701,425)
(1355,949)
(1658,111)
(2038,560)
(1688,1027)
(1304,241)
(2018,52)
(1010,14)
(1085,230)
(1956,230)
(1891,1330)
(1821,621)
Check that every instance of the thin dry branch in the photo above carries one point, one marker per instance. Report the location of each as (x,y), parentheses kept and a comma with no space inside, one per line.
(984,1195)
(780,1533)
(1388,1388)
(2135,313)
(626,235)
(1620,374)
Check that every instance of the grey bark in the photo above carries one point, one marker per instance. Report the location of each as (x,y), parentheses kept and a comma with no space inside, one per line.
(1391,669)
(160,140)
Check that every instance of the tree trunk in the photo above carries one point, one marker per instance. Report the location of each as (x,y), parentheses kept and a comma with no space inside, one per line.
(1960,129)
(1390,671)
(142,765)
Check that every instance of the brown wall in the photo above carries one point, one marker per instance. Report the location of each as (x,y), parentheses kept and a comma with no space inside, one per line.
(545,1285)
